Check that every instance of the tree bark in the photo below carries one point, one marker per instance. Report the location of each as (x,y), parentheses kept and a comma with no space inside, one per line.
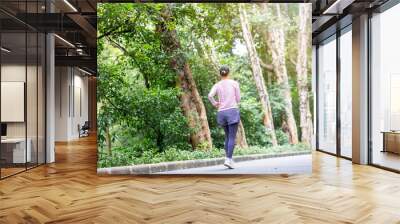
(191,102)
(241,140)
(302,73)
(257,75)
(276,42)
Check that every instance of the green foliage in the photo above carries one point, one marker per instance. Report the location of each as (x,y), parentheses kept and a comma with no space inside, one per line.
(152,120)
(119,158)
(138,118)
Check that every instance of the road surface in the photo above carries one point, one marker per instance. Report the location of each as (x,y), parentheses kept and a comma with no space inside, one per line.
(279,165)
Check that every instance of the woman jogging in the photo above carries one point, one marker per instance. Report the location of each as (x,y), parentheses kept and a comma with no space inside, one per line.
(228,115)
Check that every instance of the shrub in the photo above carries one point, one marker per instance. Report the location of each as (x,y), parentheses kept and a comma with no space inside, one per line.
(123,157)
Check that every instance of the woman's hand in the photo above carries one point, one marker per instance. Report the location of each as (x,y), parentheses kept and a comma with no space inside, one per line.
(216,105)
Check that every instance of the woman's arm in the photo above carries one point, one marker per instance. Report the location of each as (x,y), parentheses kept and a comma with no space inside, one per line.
(237,92)
(211,95)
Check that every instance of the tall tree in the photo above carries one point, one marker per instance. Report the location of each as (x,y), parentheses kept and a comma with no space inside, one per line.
(257,74)
(302,73)
(276,43)
(191,102)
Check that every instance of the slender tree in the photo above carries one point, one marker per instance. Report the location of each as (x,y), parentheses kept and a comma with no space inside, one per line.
(276,43)
(257,74)
(191,102)
(302,73)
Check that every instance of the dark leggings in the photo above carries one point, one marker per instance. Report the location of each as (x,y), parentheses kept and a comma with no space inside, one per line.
(230,136)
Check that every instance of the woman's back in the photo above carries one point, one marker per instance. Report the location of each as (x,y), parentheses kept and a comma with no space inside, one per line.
(228,93)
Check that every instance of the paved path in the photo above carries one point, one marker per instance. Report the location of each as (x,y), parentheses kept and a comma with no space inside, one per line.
(280,165)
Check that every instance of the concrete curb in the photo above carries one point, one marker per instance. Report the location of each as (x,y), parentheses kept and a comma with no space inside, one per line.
(186,164)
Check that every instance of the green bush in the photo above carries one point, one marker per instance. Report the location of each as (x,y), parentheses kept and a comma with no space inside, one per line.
(123,157)
(144,119)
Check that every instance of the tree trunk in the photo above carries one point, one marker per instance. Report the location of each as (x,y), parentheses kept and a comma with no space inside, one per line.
(108,141)
(302,73)
(241,140)
(276,42)
(257,75)
(191,102)
(211,54)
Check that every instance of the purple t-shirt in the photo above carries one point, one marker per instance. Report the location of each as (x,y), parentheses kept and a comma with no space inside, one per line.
(228,94)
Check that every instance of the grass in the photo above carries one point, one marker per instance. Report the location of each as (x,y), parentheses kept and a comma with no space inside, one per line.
(122,156)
